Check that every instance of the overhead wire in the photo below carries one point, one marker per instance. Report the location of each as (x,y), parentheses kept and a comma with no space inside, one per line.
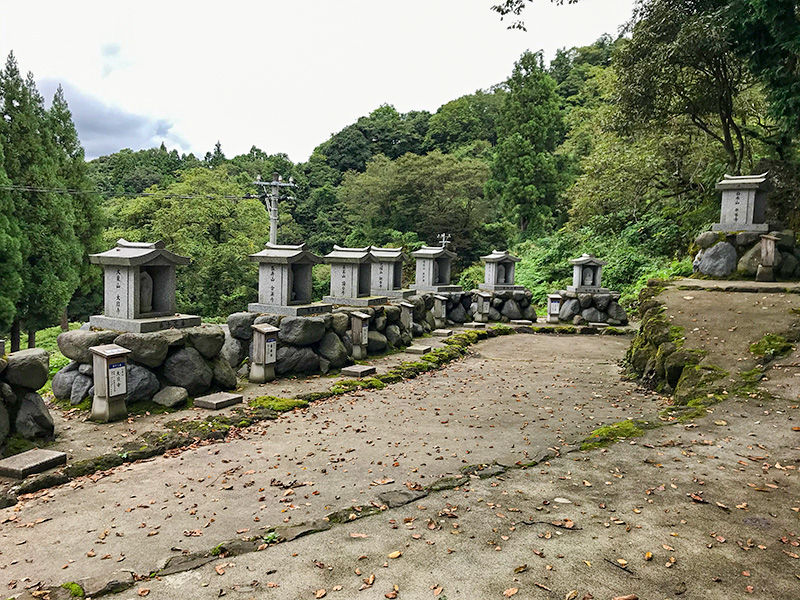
(31,188)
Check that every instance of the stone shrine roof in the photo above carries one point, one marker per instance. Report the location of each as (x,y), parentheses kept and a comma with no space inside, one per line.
(285,255)
(389,254)
(132,254)
(742,182)
(350,255)
(433,252)
(500,256)
(588,259)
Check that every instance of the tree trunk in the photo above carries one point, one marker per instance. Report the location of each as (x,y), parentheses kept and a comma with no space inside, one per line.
(65,320)
(32,338)
(15,336)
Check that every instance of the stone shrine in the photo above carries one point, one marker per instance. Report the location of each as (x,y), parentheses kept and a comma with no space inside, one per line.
(285,282)
(499,272)
(387,273)
(139,280)
(351,277)
(587,272)
(433,270)
(744,203)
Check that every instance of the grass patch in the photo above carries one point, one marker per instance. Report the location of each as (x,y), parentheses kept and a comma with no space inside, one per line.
(771,346)
(16,444)
(277,404)
(65,404)
(608,434)
(501,329)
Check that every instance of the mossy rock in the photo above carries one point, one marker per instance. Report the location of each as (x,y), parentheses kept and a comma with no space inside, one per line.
(656,329)
(675,362)
(771,346)
(74,589)
(698,381)
(608,434)
(277,404)
(639,355)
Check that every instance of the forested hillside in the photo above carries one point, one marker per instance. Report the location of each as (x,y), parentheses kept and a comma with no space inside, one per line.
(612,148)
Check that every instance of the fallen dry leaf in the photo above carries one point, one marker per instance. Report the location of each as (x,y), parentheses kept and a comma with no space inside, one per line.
(510,592)
(143,591)
(320,593)
(396,554)
(571,595)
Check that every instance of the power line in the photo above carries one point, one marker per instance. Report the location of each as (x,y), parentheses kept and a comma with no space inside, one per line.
(31,188)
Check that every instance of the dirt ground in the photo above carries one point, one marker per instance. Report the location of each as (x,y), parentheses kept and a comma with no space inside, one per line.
(705,509)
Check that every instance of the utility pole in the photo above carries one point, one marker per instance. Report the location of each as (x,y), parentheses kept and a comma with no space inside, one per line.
(270,200)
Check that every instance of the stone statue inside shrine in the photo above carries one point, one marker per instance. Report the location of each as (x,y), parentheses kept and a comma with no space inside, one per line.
(501,274)
(588,276)
(145,292)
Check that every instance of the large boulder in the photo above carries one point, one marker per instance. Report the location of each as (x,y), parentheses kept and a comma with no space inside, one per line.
(494,314)
(747,238)
(393,335)
(458,314)
(233,350)
(785,239)
(719,260)
(80,389)
(380,322)
(5,424)
(592,315)
(274,320)
(171,396)
(617,313)
(301,331)
(333,350)
(33,419)
(376,342)
(240,324)
(511,310)
(569,309)
(62,381)
(28,368)
(340,323)
(149,349)
(585,300)
(419,307)
(748,264)
(296,360)
(142,383)
(206,339)
(75,344)
(187,369)
(706,239)
(601,301)
(8,396)
(789,265)
(223,374)
(529,313)
(392,313)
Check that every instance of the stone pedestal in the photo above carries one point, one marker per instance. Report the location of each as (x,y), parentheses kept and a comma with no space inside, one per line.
(110,369)
(553,307)
(439,310)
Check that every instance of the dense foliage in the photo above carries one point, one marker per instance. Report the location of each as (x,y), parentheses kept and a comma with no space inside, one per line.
(612,148)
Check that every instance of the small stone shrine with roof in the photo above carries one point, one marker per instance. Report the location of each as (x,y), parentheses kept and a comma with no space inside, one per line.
(433,270)
(744,203)
(285,282)
(499,267)
(351,277)
(139,288)
(587,272)
(387,273)
(586,301)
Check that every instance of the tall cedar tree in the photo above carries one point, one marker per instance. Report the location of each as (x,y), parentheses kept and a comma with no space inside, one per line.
(86,205)
(10,257)
(50,249)
(525,173)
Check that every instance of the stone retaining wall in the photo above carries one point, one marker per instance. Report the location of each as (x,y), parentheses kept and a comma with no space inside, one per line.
(579,309)
(164,366)
(720,255)
(22,410)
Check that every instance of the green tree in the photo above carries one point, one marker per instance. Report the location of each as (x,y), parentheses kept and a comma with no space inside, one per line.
(525,170)
(86,204)
(465,120)
(50,249)
(10,257)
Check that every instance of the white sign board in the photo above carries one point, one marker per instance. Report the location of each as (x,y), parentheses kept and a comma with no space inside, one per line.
(117,379)
(364,334)
(271,351)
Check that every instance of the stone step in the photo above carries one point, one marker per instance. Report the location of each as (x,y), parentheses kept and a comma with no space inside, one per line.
(418,349)
(521,322)
(442,332)
(218,400)
(359,371)
(27,463)
(474,325)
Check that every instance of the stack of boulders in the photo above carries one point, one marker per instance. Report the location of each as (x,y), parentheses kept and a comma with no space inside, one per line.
(22,410)
(721,254)
(506,305)
(317,344)
(314,344)
(582,308)
(164,366)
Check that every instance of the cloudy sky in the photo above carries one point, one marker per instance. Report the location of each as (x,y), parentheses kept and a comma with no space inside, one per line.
(279,74)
